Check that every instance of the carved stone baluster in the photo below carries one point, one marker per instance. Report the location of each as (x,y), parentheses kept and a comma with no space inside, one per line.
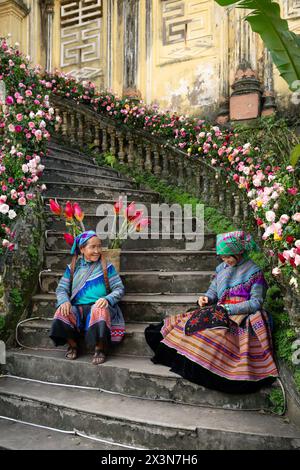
(180,170)
(222,200)
(205,186)
(140,157)
(97,138)
(172,174)
(157,167)
(165,170)
(230,204)
(64,126)
(237,209)
(58,120)
(198,180)
(88,132)
(80,129)
(72,130)
(213,190)
(112,135)
(148,162)
(104,138)
(121,153)
(130,154)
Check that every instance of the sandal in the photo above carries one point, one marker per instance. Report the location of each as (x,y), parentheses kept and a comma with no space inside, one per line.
(99,357)
(71,353)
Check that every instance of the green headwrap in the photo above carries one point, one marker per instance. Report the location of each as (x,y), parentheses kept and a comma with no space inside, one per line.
(235,243)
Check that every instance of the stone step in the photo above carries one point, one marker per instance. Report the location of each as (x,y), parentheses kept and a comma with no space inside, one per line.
(136,376)
(180,260)
(35,334)
(164,225)
(56,241)
(90,205)
(71,176)
(61,151)
(86,167)
(23,436)
(183,282)
(151,424)
(58,189)
(135,307)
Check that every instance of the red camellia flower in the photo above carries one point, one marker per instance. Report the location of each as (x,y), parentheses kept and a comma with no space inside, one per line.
(281,258)
(55,207)
(69,211)
(259,221)
(290,239)
(69,238)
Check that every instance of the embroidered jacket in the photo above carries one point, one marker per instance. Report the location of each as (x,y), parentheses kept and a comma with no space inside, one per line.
(242,287)
(93,288)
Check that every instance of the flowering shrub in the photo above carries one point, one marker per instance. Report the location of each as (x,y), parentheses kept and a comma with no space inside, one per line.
(25,123)
(271,185)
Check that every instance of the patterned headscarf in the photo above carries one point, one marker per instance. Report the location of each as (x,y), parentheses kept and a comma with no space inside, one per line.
(235,243)
(81,239)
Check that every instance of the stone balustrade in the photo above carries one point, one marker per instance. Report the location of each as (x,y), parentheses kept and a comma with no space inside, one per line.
(139,149)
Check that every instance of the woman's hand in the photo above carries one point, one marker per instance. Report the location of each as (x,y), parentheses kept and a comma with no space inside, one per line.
(65,309)
(203,300)
(101,303)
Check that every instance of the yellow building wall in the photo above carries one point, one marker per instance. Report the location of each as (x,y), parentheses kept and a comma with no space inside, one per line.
(181,54)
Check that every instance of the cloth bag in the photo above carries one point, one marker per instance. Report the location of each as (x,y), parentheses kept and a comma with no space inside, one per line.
(213,316)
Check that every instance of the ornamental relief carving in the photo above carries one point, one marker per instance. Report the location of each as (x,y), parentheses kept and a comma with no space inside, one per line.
(80,36)
(186,29)
(291,8)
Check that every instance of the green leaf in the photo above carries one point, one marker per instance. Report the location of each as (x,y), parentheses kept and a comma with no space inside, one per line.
(283,44)
(295,155)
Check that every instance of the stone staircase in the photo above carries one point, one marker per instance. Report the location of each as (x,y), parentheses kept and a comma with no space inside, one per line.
(127,401)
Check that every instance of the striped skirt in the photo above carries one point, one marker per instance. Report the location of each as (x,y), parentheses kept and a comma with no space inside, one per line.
(224,359)
(96,324)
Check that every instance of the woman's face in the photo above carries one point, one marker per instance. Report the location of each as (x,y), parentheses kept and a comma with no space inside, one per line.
(231,260)
(92,249)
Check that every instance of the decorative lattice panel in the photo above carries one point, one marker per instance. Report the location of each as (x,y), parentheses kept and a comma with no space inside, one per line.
(80,22)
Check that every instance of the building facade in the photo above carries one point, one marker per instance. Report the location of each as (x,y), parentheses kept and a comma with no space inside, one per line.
(184,55)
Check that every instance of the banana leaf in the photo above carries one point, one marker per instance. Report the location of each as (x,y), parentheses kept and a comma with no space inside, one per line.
(283,44)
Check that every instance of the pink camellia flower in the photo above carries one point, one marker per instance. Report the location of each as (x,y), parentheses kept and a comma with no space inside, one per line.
(296,217)
(30,196)
(9,100)
(22,201)
(4,188)
(3,199)
(19,117)
(297,243)
(31,125)
(284,219)
(28,93)
(5,243)
(292,191)
(11,128)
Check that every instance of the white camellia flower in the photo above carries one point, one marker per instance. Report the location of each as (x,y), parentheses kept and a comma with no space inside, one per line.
(12,214)
(4,208)
(270,216)
(276,271)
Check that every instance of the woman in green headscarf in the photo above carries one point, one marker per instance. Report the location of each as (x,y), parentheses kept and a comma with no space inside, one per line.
(227,344)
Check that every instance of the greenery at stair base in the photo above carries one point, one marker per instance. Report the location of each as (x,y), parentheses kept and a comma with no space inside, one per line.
(216,222)
(22,272)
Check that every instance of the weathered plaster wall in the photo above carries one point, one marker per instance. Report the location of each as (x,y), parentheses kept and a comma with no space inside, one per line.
(182,54)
